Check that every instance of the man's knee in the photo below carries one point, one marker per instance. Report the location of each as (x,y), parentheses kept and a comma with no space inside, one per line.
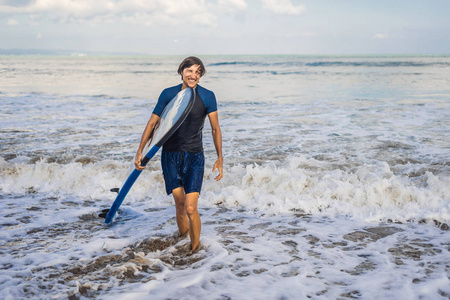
(179,197)
(180,207)
(191,210)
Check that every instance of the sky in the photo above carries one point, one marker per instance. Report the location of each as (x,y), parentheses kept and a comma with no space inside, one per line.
(305,27)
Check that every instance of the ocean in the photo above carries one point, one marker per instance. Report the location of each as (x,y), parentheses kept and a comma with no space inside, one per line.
(336,180)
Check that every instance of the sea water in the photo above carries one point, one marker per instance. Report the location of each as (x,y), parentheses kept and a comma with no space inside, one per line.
(336,180)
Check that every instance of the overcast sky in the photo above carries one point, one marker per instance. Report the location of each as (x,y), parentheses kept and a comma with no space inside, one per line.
(228,26)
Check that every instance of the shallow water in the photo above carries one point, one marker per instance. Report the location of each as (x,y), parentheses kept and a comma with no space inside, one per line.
(336,174)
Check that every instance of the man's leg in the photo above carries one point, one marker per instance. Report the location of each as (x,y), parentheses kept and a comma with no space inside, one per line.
(180,204)
(195,225)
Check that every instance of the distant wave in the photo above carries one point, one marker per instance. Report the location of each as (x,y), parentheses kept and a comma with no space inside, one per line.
(381,64)
(234,63)
(375,64)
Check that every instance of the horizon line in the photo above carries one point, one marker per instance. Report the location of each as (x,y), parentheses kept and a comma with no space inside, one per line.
(76,53)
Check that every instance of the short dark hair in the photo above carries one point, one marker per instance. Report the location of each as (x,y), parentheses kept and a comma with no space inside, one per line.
(189,62)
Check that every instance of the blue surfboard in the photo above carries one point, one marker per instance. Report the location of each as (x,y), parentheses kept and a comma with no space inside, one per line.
(172,117)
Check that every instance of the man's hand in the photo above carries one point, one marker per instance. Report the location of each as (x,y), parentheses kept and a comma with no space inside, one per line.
(137,162)
(219,166)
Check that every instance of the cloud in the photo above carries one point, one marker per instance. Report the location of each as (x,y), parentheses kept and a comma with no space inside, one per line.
(233,4)
(12,22)
(147,12)
(283,7)
(16,3)
(381,36)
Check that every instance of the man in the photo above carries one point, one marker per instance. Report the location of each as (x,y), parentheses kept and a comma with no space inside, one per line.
(182,157)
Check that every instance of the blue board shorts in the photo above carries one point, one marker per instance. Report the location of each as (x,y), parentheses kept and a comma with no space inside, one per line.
(183,169)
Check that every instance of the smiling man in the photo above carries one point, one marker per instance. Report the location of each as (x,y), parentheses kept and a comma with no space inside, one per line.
(182,157)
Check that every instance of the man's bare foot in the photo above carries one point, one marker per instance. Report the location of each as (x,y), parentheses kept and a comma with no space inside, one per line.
(196,249)
(177,235)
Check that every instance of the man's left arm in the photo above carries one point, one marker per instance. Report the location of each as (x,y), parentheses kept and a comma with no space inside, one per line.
(217,138)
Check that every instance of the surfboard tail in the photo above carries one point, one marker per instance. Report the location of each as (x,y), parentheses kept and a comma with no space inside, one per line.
(122,194)
(128,184)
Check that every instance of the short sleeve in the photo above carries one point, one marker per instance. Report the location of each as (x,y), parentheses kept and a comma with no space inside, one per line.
(164,99)
(212,104)
(209,99)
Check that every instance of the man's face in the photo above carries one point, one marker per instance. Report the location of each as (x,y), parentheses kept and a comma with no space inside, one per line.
(191,76)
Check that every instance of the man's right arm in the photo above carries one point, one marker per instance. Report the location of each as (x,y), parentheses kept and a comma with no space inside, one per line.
(151,124)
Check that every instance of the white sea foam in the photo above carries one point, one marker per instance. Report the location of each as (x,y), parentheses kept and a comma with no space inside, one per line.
(300,184)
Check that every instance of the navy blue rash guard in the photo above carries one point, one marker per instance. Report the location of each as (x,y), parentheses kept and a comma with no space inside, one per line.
(188,137)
